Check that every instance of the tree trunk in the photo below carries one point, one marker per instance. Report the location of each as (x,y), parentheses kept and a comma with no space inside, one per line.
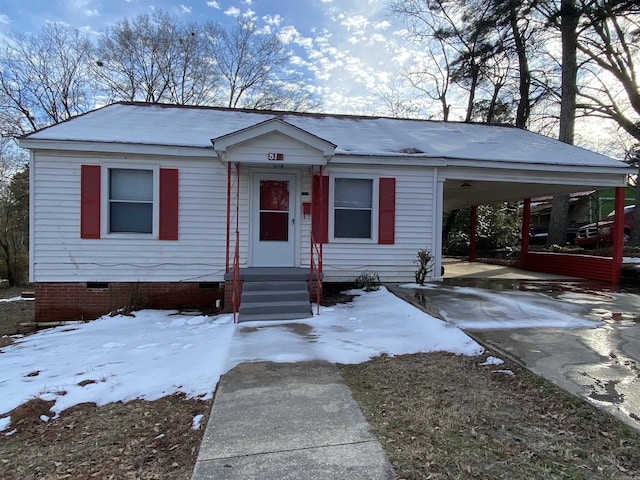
(524,74)
(569,28)
(634,238)
(475,73)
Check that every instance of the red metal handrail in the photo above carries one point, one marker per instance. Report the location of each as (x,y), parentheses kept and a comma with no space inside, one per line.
(315,268)
(235,290)
(235,294)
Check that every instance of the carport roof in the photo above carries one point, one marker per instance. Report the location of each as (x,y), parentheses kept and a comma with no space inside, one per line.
(180,126)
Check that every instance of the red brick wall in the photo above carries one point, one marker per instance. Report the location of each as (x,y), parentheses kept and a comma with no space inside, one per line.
(585,266)
(77,301)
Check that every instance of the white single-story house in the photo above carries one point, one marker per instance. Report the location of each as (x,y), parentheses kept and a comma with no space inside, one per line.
(158,205)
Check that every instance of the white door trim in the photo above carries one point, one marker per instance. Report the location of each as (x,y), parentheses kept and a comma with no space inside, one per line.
(264,255)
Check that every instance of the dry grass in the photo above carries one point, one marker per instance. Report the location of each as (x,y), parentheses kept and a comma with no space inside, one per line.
(441,416)
(134,440)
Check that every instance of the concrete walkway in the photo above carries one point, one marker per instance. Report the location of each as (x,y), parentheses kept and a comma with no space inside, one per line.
(288,421)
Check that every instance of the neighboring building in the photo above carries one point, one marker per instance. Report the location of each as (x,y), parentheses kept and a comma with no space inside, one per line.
(144,203)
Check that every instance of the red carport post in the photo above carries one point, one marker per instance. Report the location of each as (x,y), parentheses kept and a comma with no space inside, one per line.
(618,236)
(526,223)
(472,233)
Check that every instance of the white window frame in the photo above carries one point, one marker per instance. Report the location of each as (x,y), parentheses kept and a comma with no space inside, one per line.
(105,201)
(374,208)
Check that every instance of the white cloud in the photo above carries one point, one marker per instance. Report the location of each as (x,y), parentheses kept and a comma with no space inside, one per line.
(275,20)
(289,34)
(383,25)
(213,4)
(92,13)
(185,9)
(249,14)
(4,19)
(232,12)
(356,22)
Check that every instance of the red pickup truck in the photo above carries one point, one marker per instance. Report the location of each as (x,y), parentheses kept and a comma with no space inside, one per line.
(601,232)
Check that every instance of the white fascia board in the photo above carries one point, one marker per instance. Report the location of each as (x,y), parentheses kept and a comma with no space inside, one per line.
(274,125)
(600,177)
(121,148)
(538,166)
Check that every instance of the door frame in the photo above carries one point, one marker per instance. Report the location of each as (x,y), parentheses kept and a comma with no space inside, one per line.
(256,175)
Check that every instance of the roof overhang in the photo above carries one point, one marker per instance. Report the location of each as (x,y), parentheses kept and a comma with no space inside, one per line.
(225,143)
(123,148)
(465,186)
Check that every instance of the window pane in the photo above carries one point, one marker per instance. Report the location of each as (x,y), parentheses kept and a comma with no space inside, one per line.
(274,195)
(131,217)
(352,223)
(353,192)
(126,184)
(274,227)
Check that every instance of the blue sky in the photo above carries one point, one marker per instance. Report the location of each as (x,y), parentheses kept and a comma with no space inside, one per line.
(351,51)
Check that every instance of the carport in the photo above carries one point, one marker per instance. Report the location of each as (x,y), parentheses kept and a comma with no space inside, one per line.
(536,171)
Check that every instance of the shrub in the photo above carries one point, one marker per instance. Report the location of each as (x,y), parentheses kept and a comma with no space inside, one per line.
(423,260)
(368,281)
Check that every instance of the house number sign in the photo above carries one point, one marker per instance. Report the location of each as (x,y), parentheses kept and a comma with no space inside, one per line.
(275,156)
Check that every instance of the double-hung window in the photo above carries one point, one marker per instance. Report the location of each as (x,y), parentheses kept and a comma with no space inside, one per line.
(130,200)
(353,208)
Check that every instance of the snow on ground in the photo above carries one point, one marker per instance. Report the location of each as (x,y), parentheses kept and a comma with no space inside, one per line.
(478,309)
(157,353)
(635,261)
(15,299)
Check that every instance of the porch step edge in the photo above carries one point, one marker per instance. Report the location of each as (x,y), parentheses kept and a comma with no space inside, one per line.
(272,317)
(273,285)
(276,307)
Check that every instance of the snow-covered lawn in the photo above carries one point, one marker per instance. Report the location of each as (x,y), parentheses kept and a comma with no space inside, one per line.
(157,353)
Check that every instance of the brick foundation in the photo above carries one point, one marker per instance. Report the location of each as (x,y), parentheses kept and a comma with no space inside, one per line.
(87,301)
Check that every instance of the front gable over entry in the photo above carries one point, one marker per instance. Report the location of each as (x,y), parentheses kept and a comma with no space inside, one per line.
(274,142)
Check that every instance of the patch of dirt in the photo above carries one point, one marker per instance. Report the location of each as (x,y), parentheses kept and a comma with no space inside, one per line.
(442,416)
(134,440)
(14,313)
(333,293)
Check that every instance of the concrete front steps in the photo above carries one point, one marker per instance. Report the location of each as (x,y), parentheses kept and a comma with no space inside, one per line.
(274,300)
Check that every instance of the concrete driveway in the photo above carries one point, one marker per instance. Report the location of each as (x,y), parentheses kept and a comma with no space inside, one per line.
(596,353)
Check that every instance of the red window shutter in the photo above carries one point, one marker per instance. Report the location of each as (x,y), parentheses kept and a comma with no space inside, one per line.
(168,204)
(320,208)
(387,211)
(90,201)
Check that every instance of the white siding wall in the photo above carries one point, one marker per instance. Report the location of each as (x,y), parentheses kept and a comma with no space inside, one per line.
(414,228)
(59,254)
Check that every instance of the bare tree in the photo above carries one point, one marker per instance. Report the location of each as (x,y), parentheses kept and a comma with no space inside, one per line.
(14,213)
(463,49)
(44,78)
(473,43)
(611,43)
(255,67)
(155,58)
(397,103)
